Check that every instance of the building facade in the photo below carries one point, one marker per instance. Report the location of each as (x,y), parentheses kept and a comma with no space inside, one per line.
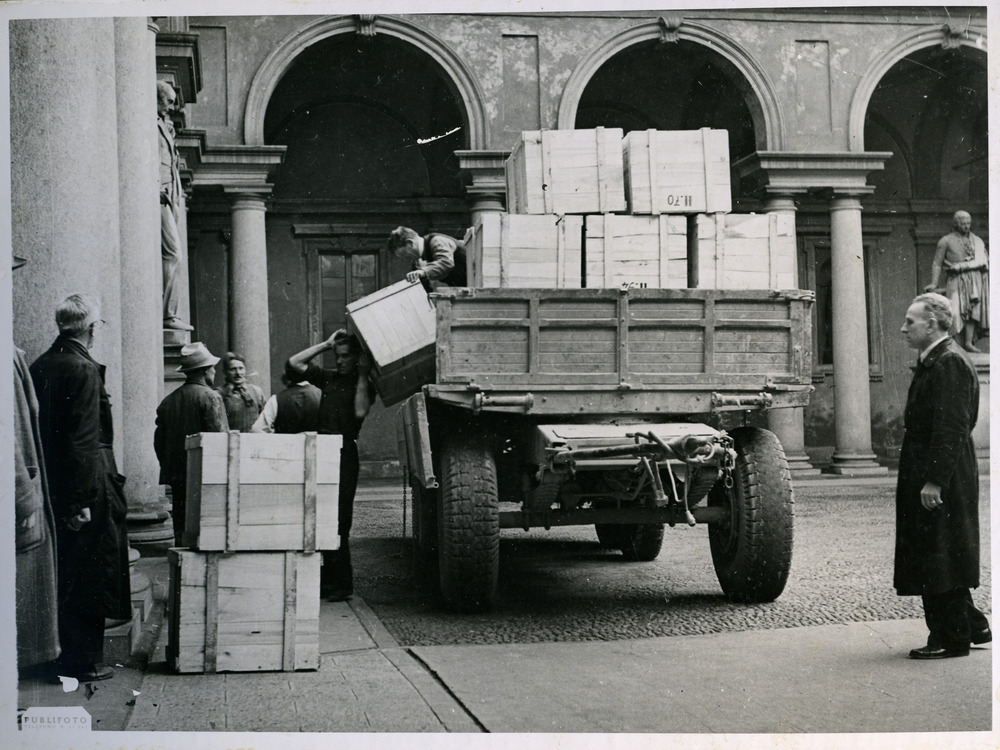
(306,139)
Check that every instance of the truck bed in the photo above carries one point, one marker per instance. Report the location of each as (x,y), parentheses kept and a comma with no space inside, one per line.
(622,351)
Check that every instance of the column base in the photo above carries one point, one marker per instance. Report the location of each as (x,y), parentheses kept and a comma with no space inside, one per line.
(800,467)
(150,523)
(856,465)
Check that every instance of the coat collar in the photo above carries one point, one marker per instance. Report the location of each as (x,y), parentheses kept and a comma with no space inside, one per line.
(72,346)
(934,354)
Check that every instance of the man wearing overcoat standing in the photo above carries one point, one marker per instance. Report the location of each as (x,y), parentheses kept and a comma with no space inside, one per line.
(88,497)
(937,492)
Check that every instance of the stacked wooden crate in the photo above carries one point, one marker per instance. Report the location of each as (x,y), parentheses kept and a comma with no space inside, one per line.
(244,595)
(677,232)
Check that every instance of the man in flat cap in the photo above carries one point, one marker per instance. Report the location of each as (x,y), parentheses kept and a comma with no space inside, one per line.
(194,407)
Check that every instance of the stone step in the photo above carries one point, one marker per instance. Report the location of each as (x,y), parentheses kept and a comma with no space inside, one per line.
(122,640)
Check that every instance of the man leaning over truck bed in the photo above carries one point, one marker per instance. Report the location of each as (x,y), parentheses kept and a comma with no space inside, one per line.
(438,258)
(346,398)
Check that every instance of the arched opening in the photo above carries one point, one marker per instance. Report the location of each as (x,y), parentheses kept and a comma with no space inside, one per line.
(366,117)
(680,86)
(371,126)
(930,110)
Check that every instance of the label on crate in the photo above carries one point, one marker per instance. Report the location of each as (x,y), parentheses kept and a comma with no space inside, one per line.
(679,200)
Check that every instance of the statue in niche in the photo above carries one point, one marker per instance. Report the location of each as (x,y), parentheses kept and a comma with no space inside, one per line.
(170,194)
(962,263)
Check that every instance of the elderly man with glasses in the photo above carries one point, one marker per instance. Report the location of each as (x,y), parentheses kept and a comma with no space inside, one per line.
(87,492)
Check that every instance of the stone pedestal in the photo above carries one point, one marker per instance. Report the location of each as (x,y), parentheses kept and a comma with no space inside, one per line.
(981,433)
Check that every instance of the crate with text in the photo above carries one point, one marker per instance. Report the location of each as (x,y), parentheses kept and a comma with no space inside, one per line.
(258,491)
(397,326)
(243,611)
(566,172)
(743,251)
(519,250)
(642,251)
(677,171)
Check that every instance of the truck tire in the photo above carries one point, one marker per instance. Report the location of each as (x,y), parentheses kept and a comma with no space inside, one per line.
(425,522)
(642,542)
(610,535)
(637,542)
(469,555)
(752,550)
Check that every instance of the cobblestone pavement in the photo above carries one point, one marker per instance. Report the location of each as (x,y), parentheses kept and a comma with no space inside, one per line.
(559,585)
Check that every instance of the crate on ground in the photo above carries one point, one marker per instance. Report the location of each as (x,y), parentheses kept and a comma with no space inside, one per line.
(677,171)
(743,251)
(243,611)
(519,250)
(257,491)
(640,251)
(566,172)
(397,325)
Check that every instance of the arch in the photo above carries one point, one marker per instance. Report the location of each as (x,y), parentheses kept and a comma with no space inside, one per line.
(918,40)
(266,80)
(763,107)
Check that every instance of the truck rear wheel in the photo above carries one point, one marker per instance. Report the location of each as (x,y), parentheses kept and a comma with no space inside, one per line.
(469,556)
(638,542)
(642,542)
(752,549)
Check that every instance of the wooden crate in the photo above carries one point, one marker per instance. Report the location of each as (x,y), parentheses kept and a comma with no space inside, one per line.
(566,172)
(258,491)
(243,611)
(518,251)
(677,171)
(743,251)
(639,251)
(397,326)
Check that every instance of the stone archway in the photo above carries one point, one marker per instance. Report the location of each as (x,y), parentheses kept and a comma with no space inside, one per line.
(931,37)
(755,88)
(284,54)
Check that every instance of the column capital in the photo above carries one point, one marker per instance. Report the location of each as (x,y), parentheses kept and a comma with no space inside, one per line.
(251,196)
(485,169)
(785,173)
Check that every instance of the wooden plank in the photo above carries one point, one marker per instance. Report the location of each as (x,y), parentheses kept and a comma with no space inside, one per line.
(310,493)
(211,612)
(233,490)
(291,597)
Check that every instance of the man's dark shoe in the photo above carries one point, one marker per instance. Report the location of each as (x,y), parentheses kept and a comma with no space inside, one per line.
(983,636)
(94,672)
(938,652)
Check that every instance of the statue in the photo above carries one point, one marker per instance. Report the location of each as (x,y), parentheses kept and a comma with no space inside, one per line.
(170,192)
(961,255)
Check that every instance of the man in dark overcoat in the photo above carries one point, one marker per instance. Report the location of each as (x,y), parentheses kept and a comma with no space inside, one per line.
(87,492)
(194,407)
(35,529)
(937,493)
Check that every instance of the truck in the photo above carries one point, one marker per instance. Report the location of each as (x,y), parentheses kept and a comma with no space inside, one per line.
(601,407)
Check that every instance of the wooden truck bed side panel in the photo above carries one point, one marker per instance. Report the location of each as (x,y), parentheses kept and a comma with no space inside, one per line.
(607,339)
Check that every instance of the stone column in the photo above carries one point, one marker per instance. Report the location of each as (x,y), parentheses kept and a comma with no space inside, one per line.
(141,331)
(64,182)
(853,455)
(788,424)
(981,432)
(249,324)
